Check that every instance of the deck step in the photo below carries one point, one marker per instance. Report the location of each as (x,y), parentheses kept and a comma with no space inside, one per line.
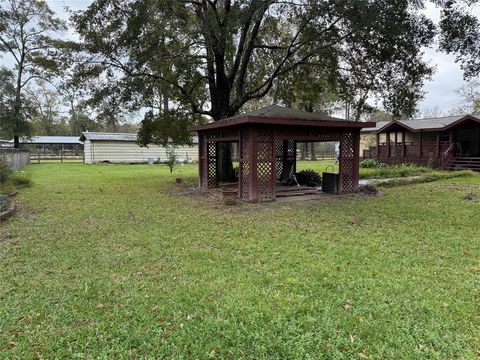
(464,163)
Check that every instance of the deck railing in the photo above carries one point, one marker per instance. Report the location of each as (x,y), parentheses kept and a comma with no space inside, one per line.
(411,149)
(447,155)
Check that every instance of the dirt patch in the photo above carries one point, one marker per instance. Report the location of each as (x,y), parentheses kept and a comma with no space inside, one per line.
(4,238)
(471,197)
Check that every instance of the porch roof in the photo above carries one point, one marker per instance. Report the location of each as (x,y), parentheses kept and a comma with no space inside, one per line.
(276,115)
(429,124)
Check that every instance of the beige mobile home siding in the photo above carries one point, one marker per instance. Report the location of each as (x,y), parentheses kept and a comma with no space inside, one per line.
(130,152)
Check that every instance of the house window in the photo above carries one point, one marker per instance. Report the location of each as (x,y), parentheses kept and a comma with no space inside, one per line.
(444,137)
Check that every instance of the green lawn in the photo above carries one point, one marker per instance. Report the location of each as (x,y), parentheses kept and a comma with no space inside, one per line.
(109,261)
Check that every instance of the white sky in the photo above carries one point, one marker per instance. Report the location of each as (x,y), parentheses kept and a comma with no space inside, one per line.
(440,91)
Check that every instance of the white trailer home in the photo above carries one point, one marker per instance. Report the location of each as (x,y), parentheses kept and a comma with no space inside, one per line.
(112,148)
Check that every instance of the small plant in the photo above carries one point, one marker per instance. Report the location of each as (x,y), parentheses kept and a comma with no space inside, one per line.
(21,180)
(5,171)
(371,164)
(4,203)
(171,158)
(309,177)
(236,170)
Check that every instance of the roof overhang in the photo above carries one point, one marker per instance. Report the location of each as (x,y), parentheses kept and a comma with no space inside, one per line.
(462,120)
(394,123)
(262,120)
(441,128)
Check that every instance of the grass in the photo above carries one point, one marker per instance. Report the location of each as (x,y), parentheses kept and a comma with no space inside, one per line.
(110,262)
(392,171)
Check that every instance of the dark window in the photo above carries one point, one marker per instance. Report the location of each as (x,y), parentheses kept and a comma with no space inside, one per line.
(444,137)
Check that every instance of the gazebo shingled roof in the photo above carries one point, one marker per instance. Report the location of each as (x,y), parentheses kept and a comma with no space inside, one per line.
(267,141)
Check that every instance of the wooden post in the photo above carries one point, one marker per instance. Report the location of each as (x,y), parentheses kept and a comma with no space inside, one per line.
(403,144)
(61,153)
(378,145)
(421,144)
(38,153)
(437,149)
(388,144)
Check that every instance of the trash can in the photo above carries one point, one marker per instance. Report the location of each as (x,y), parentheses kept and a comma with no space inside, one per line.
(330,181)
(151,161)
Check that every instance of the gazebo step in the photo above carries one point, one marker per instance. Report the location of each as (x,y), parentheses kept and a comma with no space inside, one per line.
(293,188)
(297,193)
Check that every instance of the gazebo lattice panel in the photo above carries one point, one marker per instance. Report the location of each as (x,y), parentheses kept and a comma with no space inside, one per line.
(264,166)
(202,158)
(212,176)
(245,165)
(348,161)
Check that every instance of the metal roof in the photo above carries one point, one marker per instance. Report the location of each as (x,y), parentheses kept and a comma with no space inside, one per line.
(103,136)
(49,140)
(278,115)
(423,124)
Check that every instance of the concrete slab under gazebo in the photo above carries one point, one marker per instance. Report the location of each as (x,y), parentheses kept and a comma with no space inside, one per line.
(267,148)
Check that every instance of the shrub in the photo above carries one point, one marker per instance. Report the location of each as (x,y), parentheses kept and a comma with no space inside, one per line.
(4,203)
(19,179)
(171,158)
(7,188)
(371,164)
(5,171)
(309,177)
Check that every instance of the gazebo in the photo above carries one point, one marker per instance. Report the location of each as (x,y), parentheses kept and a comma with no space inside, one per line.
(267,148)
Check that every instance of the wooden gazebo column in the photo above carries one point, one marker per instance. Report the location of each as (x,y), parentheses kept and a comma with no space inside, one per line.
(257,164)
(349,161)
(207,164)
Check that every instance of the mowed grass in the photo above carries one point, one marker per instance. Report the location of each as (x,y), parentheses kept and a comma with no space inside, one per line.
(109,261)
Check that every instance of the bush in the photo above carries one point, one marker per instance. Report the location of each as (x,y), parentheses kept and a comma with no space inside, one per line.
(5,171)
(391,171)
(4,203)
(309,177)
(371,164)
(22,180)
(7,188)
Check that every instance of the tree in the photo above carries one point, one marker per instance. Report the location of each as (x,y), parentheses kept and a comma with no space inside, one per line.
(9,123)
(47,105)
(25,35)
(470,98)
(216,56)
(460,34)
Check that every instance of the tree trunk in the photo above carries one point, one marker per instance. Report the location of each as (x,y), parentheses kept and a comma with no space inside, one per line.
(303,151)
(312,152)
(225,164)
(17,107)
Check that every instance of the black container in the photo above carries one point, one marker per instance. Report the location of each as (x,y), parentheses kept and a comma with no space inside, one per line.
(330,182)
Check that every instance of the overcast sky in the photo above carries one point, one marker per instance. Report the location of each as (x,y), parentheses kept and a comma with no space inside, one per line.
(440,91)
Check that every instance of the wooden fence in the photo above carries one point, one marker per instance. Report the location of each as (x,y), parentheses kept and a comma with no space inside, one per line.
(17,158)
